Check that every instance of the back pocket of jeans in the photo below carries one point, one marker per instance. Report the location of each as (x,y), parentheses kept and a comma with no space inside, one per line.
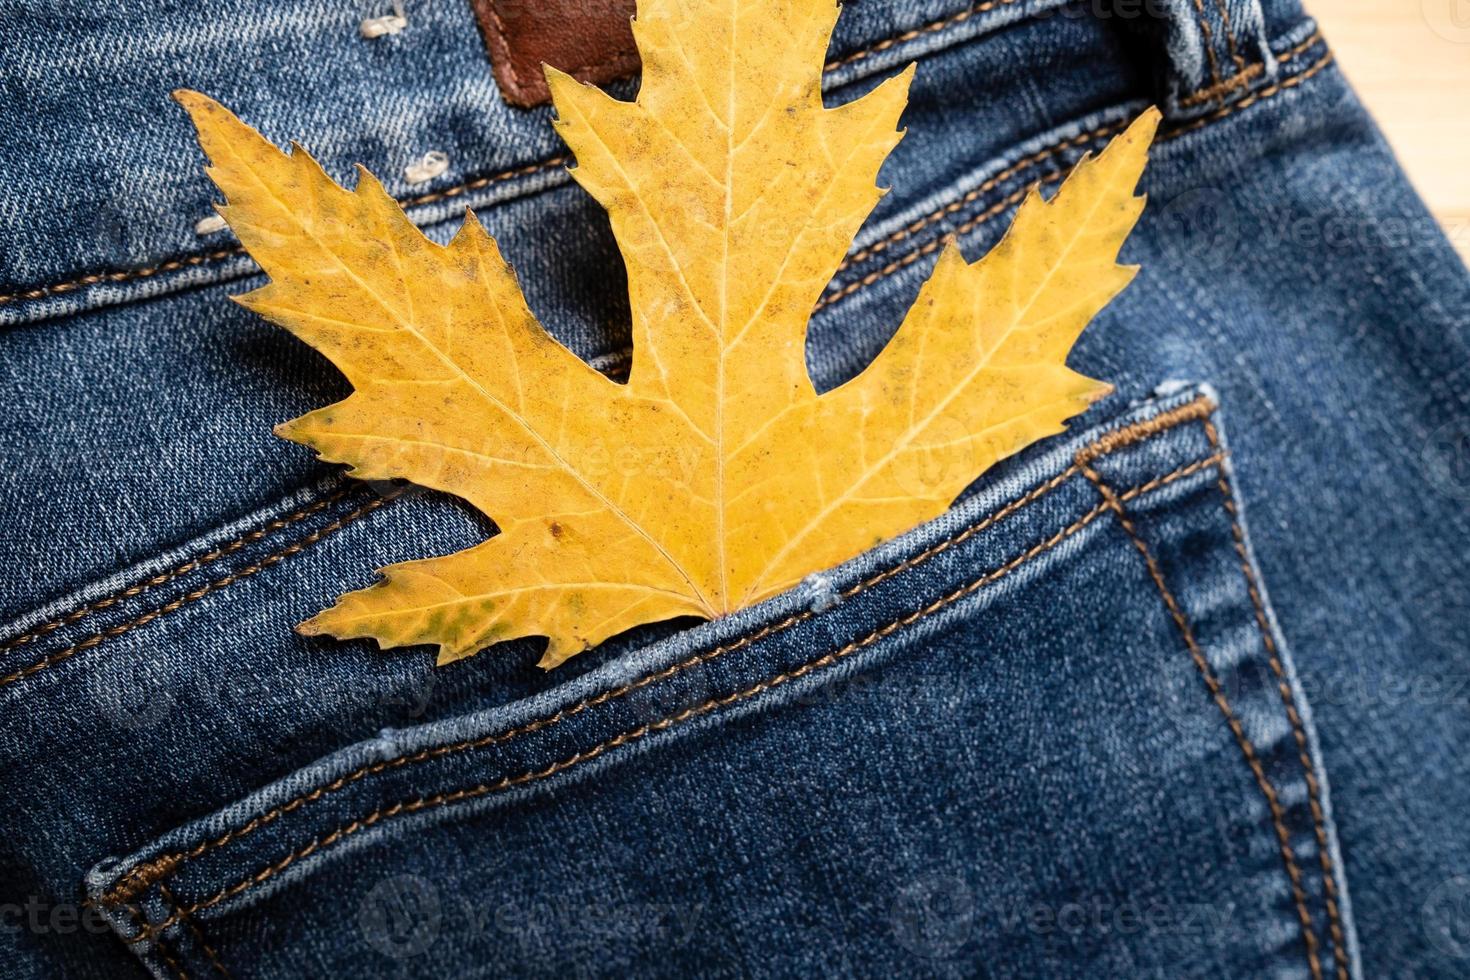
(1055,731)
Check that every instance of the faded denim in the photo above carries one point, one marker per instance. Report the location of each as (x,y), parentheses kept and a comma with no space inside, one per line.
(1178,693)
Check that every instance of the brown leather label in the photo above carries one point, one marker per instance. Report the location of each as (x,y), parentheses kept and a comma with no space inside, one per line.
(589,39)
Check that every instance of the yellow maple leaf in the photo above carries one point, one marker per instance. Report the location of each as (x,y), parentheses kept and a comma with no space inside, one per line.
(716,476)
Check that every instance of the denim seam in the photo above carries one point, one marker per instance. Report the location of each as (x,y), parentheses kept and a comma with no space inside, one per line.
(169,959)
(187,261)
(1207,37)
(714,704)
(1230,41)
(976,193)
(1329,882)
(198,933)
(175,264)
(909,258)
(1112,502)
(138,588)
(624,738)
(933,245)
(194,595)
(1247,74)
(478,183)
(168,865)
(1291,81)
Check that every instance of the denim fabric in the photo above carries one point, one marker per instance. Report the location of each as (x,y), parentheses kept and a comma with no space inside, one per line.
(1179,693)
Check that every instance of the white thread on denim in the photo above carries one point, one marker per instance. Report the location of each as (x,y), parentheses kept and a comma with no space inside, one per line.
(386,24)
(426,167)
(819,593)
(210,225)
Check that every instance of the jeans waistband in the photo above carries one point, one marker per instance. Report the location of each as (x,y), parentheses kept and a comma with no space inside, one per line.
(106,199)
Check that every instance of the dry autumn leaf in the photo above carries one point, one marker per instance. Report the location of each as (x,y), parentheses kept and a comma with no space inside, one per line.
(734,195)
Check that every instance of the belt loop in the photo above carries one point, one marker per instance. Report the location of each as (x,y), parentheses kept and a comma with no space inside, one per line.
(1217,51)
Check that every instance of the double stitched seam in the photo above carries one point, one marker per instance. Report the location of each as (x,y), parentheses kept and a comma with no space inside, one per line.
(173,265)
(214,960)
(933,245)
(137,589)
(142,876)
(1288,701)
(1112,502)
(479,183)
(976,193)
(1271,90)
(969,225)
(1230,41)
(1247,75)
(166,866)
(868,280)
(162,945)
(1207,37)
(193,596)
(147,617)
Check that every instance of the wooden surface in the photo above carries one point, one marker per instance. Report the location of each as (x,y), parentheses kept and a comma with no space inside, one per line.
(1410,62)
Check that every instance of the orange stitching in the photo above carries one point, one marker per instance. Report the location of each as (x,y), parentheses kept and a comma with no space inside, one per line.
(933,245)
(1247,75)
(1208,37)
(143,875)
(168,896)
(1111,442)
(908,259)
(194,260)
(250,537)
(1278,814)
(1229,85)
(970,225)
(713,704)
(173,265)
(1288,700)
(1312,39)
(932,27)
(168,958)
(443,799)
(1262,95)
(1224,6)
(972,195)
(199,593)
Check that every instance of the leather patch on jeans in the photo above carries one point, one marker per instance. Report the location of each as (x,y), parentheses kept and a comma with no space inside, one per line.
(589,39)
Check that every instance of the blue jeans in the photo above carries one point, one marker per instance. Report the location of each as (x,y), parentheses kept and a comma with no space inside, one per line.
(1181,692)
